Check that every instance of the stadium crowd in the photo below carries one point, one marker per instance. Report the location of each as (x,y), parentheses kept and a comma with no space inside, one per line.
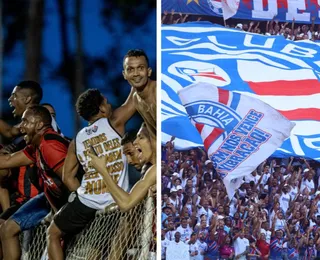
(274,27)
(275,213)
(46,177)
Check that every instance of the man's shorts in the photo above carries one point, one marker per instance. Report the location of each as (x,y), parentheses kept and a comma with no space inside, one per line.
(73,216)
(32,212)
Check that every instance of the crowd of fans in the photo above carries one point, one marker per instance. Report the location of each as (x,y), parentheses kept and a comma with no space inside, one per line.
(275,213)
(273,27)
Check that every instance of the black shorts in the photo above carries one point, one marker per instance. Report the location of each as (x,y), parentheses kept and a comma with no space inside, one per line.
(73,216)
(10,211)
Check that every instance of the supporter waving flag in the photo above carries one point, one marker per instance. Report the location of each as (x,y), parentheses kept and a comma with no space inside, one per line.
(238,131)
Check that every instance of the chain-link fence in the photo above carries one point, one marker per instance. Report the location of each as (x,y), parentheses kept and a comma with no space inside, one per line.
(111,235)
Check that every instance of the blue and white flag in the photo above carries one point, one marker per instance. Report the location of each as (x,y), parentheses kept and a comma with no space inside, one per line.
(284,10)
(281,73)
(238,132)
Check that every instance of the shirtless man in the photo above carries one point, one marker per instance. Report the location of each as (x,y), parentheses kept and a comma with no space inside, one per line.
(137,72)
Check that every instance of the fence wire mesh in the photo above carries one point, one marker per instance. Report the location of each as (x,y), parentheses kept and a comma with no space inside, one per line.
(111,235)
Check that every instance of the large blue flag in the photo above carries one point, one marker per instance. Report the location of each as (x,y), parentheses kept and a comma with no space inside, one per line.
(282,73)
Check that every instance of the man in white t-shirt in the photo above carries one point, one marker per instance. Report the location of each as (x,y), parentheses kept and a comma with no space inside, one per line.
(202,246)
(180,195)
(209,168)
(241,246)
(185,230)
(308,182)
(193,247)
(294,190)
(177,245)
(174,200)
(285,198)
(252,177)
(266,174)
(204,210)
(164,243)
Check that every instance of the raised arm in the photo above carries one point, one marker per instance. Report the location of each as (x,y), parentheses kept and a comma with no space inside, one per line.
(70,169)
(165,13)
(250,26)
(257,26)
(292,28)
(312,25)
(14,160)
(125,200)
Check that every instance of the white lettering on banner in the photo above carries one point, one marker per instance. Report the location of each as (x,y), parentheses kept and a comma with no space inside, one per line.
(245,139)
(220,114)
(267,44)
(298,51)
(291,49)
(310,143)
(258,11)
(294,11)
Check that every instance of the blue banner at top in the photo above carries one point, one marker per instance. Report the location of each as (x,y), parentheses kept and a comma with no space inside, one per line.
(284,10)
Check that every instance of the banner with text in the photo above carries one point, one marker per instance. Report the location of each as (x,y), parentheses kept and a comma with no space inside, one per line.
(284,10)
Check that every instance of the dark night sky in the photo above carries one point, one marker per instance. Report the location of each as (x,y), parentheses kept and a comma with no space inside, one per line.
(96,42)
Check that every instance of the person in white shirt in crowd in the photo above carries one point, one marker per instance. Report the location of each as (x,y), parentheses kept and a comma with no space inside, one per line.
(202,245)
(264,170)
(265,229)
(285,198)
(174,177)
(241,246)
(185,177)
(164,244)
(204,210)
(308,182)
(174,200)
(180,195)
(193,247)
(252,177)
(185,230)
(185,167)
(176,240)
(200,223)
(280,221)
(171,231)
(294,190)
(190,187)
(209,168)
(203,227)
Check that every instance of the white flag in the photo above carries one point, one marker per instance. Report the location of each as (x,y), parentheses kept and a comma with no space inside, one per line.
(238,132)
(229,8)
